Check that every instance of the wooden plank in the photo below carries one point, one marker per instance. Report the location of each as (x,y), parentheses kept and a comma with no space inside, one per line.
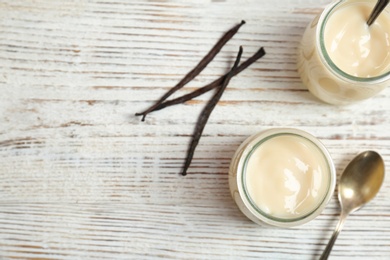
(82,178)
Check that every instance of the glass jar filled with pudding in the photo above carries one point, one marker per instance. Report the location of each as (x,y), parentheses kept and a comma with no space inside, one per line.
(282,177)
(341,59)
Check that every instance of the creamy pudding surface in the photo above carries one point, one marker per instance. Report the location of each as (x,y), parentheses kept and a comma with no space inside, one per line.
(353,46)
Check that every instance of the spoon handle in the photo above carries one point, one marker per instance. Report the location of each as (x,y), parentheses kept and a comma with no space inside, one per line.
(332,240)
(380,5)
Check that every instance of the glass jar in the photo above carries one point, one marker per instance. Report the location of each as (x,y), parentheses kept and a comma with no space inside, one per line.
(281,146)
(319,73)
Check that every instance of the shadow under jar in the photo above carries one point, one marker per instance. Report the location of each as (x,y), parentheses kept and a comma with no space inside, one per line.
(341,59)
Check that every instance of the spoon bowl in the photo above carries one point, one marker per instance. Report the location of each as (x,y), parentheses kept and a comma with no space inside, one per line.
(361,180)
(359,183)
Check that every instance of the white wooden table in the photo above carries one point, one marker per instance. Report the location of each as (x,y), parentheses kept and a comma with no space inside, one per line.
(82,178)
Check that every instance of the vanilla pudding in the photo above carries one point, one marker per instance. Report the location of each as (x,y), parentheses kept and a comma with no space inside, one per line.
(342,60)
(282,177)
(353,46)
(286,176)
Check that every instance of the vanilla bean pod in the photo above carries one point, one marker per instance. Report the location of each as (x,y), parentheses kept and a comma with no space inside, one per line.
(198,69)
(204,116)
(260,53)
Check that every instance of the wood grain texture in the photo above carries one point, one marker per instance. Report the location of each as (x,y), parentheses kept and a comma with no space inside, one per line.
(82,178)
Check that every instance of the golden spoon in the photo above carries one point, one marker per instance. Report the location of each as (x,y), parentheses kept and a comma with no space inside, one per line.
(359,183)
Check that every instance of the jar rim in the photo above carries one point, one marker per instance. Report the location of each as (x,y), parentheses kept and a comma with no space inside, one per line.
(324,53)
